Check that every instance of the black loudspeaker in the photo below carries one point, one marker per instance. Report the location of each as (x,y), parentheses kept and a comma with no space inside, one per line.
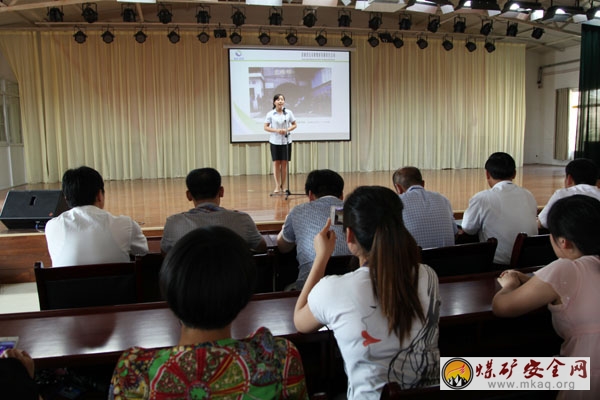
(31,209)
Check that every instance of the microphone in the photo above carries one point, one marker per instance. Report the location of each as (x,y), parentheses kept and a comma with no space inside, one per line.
(284,111)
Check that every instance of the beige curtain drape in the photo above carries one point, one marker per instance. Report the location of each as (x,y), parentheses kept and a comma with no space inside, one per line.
(561,128)
(158,110)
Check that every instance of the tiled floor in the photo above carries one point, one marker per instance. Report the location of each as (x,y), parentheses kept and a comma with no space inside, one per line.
(18,297)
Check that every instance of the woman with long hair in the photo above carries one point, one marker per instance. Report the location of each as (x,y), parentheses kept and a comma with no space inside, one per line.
(568,286)
(280,122)
(385,314)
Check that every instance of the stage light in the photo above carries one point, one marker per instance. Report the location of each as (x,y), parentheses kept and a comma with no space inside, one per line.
(344,19)
(375,21)
(489,46)
(108,37)
(310,17)
(276,16)
(238,17)
(512,29)
(264,37)
(55,14)
(486,27)
(405,22)
(422,43)
(174,36)
(140,36)
(220,33)
(128,13)
(203,15)
(320,38)
(470,45)
(203,37)
(483,7)
(164,14)
(537,33)
(89,12)
(80,37)
(373,41)
(447,44)
(460,25)
(397,41)
(291,37)
(385,37)
(433,24)
(235,36)
(346,40)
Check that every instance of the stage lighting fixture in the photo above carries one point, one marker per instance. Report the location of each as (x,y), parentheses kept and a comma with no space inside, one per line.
(470,45)
(397,41)
(203,37)
(422,43)
(373,41)
(89,12)
(108,37)
(375,21)
(512,29)
(385,37)
(203,15)
(128,13)
(405,22)
(140,36)
(346,40)
(310,17)
(220,33)
(344,19)
(291,37)
(264,37)
(164,14)
(80,37)
(276,16)
(433,24)
(55,14)
(486,27)
(460,24)
(235,36)
(447,44)
(320,38)
(537,33)
(489,46)
(174,36)
(238,17)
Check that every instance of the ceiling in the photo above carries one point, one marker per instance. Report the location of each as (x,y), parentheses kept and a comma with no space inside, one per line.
(33,14)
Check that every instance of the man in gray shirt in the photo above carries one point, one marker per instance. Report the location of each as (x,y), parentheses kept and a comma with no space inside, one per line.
(324,188)
(205,191)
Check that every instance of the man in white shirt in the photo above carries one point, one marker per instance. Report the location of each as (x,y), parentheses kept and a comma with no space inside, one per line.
(503,211)
(581,177)
(87,234)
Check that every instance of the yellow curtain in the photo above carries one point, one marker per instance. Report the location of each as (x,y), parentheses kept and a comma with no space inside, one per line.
(158,110)
(561,128)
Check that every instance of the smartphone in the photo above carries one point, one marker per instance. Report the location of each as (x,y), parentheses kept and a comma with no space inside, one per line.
(9,342)
(337,215)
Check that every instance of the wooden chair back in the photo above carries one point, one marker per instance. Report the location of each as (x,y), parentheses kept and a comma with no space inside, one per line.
(392,391)
(87,285)
(531,251)
(461,259)
(148,268)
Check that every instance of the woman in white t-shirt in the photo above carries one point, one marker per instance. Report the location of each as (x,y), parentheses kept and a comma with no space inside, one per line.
(385,314)
(280,122)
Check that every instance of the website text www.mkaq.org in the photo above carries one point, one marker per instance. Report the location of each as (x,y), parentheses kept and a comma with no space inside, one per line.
(532,385)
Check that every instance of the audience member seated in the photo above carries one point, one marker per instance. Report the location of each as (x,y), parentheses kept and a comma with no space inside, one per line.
(17,375)
(581,176)
(569,285)
(325,189)
(428,216)
(205,191)
(207,279)
(503,211)
(87,234)
(385,314)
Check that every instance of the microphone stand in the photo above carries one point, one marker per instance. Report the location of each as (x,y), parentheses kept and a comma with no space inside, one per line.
(287,191)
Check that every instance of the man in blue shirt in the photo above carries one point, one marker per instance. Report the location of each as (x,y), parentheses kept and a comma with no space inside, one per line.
(428,216)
